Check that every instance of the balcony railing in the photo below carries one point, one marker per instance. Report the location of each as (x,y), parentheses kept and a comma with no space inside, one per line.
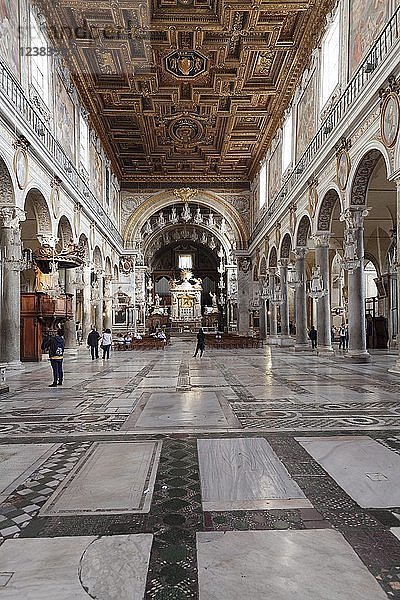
(375,57)
(14,94)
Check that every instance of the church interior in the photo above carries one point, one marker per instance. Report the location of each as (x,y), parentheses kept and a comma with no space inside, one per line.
(199,299)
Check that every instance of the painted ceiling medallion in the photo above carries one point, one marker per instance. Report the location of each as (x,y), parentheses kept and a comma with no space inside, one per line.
(186,131)
(186,63)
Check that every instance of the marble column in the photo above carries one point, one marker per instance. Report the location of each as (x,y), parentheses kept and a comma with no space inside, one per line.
(98,314)
(396,367)
(263,317)
(354,233)
(10,240)
(285,338)
(86,306)
(301,301)
(70,326)
(324,341)
(273,309)
(108,302)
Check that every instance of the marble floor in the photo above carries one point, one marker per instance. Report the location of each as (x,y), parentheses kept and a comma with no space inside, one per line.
(155,475)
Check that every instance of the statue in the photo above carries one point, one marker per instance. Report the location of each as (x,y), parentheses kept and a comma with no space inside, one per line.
(214,301)
(173,216)
(198,218)
(157,301)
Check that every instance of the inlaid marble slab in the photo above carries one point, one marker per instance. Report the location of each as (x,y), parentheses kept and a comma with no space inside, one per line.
(18,461)
(278,565)
(76,568)
(112,477)
(366,470)
(180,409)
(396,531)
(245,474)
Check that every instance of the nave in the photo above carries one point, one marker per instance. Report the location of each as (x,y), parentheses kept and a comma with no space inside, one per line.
(257,472)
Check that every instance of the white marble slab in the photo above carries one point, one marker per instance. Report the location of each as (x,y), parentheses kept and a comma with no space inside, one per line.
(181,409)
(366,470)
(18,461)
(245,474)
(112,477)
(78,568)
(278,565)
(396,531)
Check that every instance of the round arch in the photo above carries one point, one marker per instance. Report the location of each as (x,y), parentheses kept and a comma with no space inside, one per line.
(107,266)
(326,208)
(97,258)
(363,169)
(263,267)
(303,231)
(64,232)
(35,199)
(286,246)
(7,188)
(273,257)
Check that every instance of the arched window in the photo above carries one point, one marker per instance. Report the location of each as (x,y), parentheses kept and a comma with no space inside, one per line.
(370,275)
(330,59)
(39,66)
(263,184)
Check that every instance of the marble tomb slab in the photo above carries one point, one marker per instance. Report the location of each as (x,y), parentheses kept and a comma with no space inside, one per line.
(245,474)
(366,470)
(78,567)
(111,478)
(278,565)
(180,409)
(18,462)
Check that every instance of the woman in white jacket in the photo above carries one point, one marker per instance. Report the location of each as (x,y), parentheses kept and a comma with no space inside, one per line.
(106,341)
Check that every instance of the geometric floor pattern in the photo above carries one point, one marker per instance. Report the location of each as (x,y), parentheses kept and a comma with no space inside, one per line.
(269,394)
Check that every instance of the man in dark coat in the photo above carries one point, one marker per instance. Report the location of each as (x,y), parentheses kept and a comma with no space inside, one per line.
(54,345)
(312,334)
(201,342)
(93,343)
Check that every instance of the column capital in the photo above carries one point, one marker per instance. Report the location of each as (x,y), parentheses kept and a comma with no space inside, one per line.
(354,216)
(321,238)
(300,252)
(47,239)
(11,216)
(283,262)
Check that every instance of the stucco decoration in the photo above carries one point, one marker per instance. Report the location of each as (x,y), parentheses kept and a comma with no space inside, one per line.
(273,258)
(303,231)
(286,246)
(362,177)
(326,209)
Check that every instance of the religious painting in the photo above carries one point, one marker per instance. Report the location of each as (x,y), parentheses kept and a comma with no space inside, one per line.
(306,119)
(390,113)
(367,18)
(9,34)
(65,119)
(343,168)
(21,167)
(97,175)
(275,172)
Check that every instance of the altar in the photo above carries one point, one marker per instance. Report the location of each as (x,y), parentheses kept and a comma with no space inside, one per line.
(186,298)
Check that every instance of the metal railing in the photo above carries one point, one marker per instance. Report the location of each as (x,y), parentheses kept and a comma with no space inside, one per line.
(14,94)
(377,54)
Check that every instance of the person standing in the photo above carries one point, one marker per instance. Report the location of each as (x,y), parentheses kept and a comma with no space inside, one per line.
(201,342)
(54,345)
(312,334)
(106,341)
(342,337)
(93,343)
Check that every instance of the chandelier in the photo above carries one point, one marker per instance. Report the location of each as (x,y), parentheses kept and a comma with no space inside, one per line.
(316,284)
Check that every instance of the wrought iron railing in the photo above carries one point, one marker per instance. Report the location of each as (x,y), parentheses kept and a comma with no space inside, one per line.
(13,94)
(375,57)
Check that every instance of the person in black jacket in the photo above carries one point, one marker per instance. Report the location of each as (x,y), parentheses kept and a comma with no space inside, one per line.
(93,343)
(54,345)
(312,334)
(201,342)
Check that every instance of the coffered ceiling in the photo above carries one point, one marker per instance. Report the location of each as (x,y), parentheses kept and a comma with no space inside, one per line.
(186,89)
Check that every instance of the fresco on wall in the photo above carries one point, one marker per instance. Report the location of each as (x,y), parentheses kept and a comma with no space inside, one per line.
(9,34)
(367,18)
(306,121)
(97,175)
(65,119)
(274,172)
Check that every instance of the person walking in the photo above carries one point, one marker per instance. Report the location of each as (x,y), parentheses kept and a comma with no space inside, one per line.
(201,343)
(54,344)
(106,341)
(342,337)
(93,343)
(312,334)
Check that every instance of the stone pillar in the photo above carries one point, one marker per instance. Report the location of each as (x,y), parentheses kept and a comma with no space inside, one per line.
(108,302)
(70,326)
(396,366)
(10,240)
(87,306)
(273,309)
(98,313)
(263,316)
(301,301)
(324,341)
(354,218)
(285,338)
(244,291)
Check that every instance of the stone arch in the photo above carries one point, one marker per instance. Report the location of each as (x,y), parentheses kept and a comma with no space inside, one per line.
(303,231)
(362,175)
(64,232)
(273,257)
(255,272)
(7,191)
(201,198)
(325,212)
(263,267)
(37,201)
(83,241)
(286,246)
(108,267)
(97,259)
(116,272)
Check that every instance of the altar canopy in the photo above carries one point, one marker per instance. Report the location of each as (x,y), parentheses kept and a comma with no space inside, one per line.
(186,297)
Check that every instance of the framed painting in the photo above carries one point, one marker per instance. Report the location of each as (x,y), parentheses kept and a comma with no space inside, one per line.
(343,168)
(274,172)
(306,119)
(390,117)
(21,167)
(65,119)
(367,18)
